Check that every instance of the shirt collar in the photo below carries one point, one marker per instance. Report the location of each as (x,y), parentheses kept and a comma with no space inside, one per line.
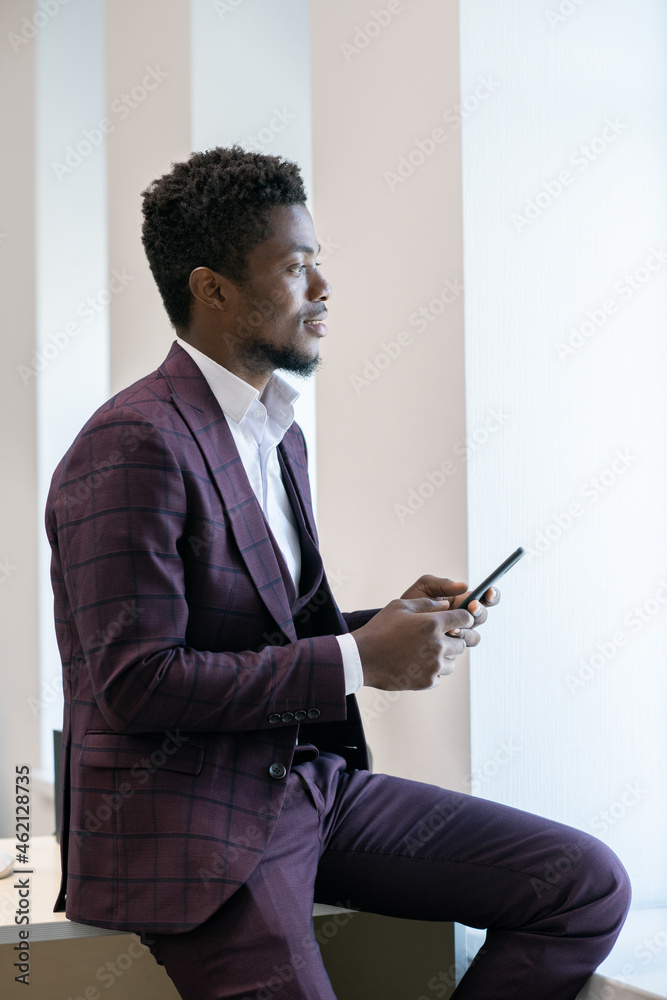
(235,397)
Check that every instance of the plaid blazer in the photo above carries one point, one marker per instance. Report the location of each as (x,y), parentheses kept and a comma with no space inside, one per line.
(187,677)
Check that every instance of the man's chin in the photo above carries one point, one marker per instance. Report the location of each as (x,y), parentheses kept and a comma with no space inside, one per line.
(303,367)
(264,358)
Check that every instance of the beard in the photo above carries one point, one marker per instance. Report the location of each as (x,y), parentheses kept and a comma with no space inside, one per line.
(263,358)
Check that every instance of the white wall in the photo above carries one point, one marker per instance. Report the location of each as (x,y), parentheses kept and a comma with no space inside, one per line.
(569,677)
(83,182)
(72,287)
(251,85)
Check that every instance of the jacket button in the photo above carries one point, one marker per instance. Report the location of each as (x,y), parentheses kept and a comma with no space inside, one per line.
(274,718)
(277,770)
(313,713)
(288,717)
(300,715)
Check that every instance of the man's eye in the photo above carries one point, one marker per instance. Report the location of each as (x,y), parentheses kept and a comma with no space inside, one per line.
(298,268)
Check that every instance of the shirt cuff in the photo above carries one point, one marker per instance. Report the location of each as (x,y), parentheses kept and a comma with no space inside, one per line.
(354,675)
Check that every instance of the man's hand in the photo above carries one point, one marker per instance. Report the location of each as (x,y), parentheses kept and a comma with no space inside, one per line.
(440,586)
(413,641)
(410,642)
(434,587)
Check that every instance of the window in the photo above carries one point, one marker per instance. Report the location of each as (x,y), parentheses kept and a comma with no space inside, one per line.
(565,216)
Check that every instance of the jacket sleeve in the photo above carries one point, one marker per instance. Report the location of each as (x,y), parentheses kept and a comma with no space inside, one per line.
(356,619)
(116,519)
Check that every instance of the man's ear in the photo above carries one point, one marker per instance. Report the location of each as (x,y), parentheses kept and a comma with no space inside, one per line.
(213,290)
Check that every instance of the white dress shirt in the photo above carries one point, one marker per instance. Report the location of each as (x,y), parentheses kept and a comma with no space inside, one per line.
(258,426)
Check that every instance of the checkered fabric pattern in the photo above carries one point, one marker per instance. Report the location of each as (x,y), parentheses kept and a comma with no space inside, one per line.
(186,678)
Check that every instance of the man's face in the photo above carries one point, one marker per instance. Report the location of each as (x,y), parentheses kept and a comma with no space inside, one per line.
(276,321)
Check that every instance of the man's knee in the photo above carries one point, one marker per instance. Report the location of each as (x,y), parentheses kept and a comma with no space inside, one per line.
(610,882)
(594,881)
(582,868)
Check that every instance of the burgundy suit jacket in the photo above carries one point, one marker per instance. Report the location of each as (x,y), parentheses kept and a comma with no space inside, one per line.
(191,667)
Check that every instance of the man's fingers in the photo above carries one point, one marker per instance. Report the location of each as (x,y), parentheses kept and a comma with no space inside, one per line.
(422,605)
(451,649)
(442,586)
(453,622)
(453,646)
(479,612)
(491,597)
(435,587)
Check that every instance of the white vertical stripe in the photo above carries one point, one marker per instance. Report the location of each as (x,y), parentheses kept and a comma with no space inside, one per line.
(251,85)
(569,687)
(72,278)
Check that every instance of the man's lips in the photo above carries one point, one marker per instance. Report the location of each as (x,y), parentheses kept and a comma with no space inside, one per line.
(316,324)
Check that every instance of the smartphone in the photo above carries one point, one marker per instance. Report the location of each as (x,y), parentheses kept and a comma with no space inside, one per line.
(479,591)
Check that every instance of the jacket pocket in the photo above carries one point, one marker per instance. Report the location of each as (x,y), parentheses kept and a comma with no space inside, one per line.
(171,751)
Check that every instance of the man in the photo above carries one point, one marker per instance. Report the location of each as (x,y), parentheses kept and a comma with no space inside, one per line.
(214,766)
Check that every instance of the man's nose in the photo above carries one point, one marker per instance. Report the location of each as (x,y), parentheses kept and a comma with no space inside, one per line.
(319,287)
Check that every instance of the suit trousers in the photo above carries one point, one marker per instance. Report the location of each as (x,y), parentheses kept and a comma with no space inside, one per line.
(552,897)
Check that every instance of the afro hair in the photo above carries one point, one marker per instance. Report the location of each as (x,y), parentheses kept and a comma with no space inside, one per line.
(209,212)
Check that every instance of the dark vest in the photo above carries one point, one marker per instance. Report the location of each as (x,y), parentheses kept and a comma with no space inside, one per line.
(315,612)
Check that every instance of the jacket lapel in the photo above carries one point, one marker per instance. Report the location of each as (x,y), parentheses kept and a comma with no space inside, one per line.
(296,481)
(200,410)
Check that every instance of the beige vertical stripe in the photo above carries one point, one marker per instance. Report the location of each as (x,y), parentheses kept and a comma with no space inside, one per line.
(19,727)
(151,115)
(382,82)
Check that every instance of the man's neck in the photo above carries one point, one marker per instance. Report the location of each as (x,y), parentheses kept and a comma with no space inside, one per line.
(257,380)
